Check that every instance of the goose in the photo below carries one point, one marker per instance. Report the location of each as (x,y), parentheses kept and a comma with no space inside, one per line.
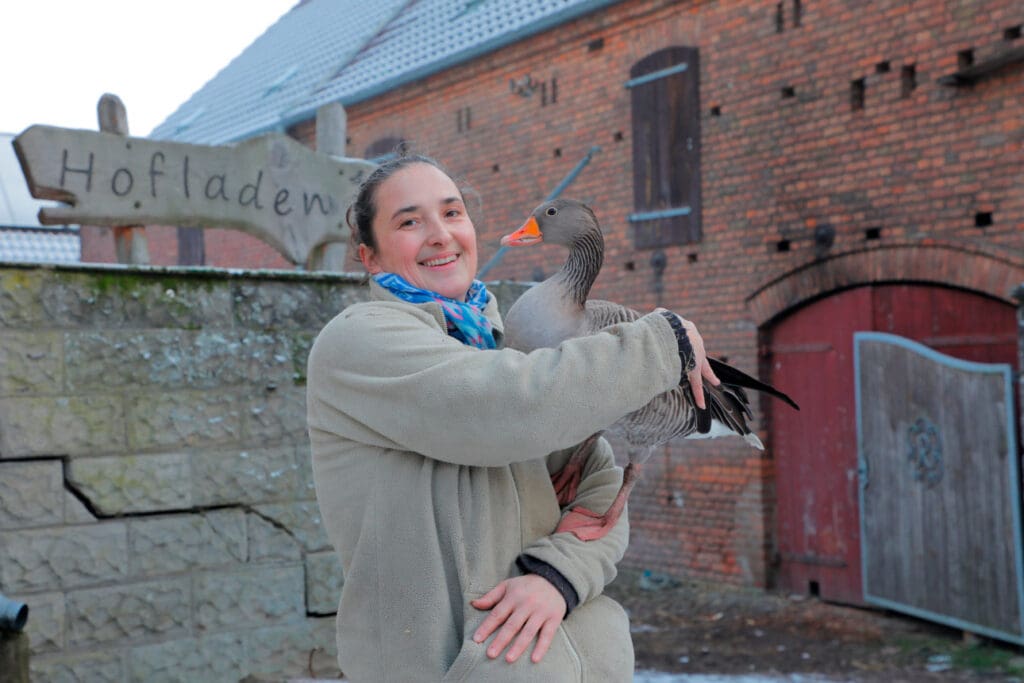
(559,308)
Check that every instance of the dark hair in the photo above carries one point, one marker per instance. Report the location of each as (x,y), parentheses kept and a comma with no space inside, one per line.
(364,209)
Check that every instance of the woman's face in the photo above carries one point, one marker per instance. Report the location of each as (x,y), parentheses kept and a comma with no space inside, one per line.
(423,232)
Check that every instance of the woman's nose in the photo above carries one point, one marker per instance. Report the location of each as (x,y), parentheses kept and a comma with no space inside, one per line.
(437,232)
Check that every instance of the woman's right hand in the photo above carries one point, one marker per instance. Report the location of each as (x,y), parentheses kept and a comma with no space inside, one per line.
(526,607)
(701,367)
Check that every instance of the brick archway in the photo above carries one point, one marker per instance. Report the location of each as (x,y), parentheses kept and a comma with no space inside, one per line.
(944,264)
(956,300)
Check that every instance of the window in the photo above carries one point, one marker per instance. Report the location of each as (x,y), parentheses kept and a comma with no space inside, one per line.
(383,149)
(666,148)
(191,247)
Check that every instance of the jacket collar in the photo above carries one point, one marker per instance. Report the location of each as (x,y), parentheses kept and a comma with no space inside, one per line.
(378,293)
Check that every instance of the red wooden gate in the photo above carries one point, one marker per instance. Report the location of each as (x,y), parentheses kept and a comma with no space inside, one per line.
(811,356)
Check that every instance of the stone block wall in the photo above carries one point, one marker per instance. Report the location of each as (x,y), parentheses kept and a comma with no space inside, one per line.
(157,510)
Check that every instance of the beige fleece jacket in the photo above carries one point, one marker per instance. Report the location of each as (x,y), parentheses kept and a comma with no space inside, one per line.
(431,463)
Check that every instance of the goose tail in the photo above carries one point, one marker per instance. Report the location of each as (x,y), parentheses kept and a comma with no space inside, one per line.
(730,375)
(720,428)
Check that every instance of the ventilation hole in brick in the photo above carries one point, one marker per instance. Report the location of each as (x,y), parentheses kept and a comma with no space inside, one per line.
(462,120)
(857,94)
(873,233)
(782,245)
(716,110)
(965,58)
(554,89)
(1012,33)
(788,91)
(618,136)
(595,45)
(348,141)
(983,219)
(798,12)
(908,80)
(558,152)
(883,67)
(495,168)
(629,265)
(813,588)
(780,21)
(691,258)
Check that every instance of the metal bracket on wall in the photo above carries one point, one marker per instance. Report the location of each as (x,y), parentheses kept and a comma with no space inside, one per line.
(571,176)
(974,73)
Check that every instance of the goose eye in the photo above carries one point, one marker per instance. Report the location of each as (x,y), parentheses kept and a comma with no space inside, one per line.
(551,211)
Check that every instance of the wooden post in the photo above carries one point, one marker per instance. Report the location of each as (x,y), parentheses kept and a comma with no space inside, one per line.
(331,129)
(1018,296)
(14,656)
(129,240)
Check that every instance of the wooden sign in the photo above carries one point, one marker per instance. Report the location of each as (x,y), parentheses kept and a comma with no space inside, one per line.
(271,187)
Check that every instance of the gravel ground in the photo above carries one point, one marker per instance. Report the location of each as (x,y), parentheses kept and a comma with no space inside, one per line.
(728,634)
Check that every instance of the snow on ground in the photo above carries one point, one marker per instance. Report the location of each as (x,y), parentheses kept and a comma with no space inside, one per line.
(661,677)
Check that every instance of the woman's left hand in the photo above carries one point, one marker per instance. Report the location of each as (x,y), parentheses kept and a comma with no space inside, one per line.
(525,607)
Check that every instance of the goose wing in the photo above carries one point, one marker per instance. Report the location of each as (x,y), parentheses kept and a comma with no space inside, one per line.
(601,314)
(675,413)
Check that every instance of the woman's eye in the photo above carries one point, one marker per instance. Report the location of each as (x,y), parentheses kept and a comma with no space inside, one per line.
(452,213)
(407,223)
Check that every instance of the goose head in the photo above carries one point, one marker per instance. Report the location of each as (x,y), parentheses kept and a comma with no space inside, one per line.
(559,221)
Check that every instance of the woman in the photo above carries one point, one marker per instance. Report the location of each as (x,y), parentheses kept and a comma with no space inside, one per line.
(432,453)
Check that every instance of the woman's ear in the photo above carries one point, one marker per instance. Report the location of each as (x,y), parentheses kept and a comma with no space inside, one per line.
(369,259)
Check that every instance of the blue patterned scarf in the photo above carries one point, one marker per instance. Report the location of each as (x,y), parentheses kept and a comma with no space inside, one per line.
(466,320)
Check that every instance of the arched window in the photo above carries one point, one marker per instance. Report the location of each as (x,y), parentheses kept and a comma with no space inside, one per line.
(665,89)
(383,149)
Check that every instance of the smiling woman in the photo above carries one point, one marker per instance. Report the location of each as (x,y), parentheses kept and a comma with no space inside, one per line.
(422,231)
(432,454)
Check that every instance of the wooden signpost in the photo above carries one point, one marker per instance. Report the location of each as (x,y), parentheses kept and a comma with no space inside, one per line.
(271,187)
(130,244)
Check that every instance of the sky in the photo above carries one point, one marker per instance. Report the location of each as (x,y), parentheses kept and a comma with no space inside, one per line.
(57,57)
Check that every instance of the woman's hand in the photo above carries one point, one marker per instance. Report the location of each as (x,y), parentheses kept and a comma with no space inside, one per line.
(701,367)
(525,607)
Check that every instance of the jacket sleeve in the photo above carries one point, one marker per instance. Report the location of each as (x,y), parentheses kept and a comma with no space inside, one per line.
(386,374)
(588,566)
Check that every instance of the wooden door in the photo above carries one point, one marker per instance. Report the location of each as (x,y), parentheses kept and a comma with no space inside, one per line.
(939,483)
(815,450)
(810,355)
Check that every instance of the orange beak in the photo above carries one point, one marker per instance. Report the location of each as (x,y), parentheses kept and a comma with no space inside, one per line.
(528,234)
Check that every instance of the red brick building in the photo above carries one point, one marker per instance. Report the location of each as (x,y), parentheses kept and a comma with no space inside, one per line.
(819,167)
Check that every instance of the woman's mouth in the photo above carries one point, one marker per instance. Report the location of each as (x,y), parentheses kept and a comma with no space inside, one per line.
(440,261)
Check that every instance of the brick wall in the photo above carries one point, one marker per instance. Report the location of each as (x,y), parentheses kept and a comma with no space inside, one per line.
(224,248)
(918,175)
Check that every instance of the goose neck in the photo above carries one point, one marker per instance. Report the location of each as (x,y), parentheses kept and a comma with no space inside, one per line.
(584,263)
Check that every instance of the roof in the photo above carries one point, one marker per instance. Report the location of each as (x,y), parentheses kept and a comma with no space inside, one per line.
(22,237)
(35,245)
(348,51)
